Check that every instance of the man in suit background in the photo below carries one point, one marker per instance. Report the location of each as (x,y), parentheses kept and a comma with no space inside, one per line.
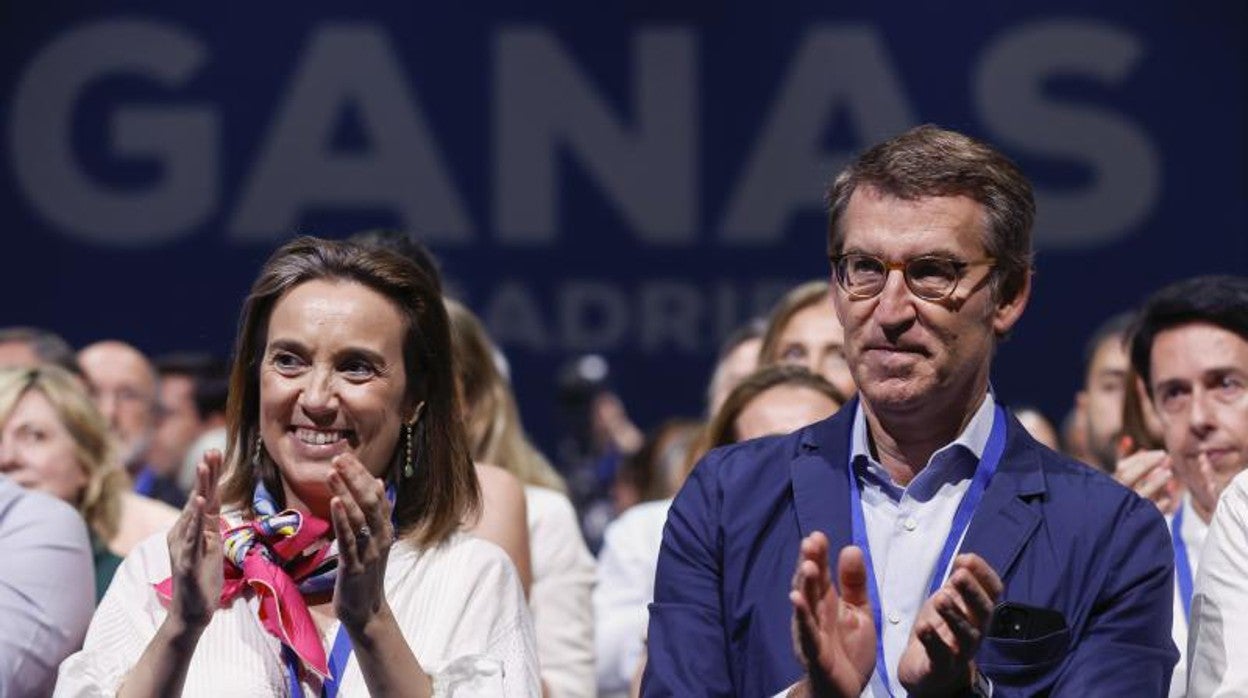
(1062,584)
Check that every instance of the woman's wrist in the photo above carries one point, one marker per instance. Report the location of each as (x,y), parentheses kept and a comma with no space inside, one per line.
(180,633)
(367,632)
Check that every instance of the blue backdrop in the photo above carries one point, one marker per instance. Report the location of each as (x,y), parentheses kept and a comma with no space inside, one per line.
(632,179)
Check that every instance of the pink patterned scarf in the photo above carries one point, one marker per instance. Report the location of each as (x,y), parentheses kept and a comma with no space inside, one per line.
(281,556)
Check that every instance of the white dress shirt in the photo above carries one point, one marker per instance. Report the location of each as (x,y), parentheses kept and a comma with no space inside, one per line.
(47,588)
(459,605)
(563,581)
(1218,642)
(1192,533)
(626,567)
(907,527)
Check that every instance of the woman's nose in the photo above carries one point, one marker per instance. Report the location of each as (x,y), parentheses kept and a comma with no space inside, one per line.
(319,395)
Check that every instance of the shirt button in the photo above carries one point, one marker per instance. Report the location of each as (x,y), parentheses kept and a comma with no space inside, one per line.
(910,524)
(893,617)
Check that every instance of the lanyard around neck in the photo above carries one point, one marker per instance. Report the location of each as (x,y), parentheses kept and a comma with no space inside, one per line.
(961,519)
(337,666)
(1182,566)
(342,649)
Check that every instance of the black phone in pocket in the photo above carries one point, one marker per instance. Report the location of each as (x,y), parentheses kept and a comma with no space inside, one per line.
(1017,621)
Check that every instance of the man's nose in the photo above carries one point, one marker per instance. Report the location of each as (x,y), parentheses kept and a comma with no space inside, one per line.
(895,307)
(1200,417)
(106,401)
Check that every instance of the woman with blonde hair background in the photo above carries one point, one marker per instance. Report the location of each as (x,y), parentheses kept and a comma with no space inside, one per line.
(53,439)
(563,569)
(803,330)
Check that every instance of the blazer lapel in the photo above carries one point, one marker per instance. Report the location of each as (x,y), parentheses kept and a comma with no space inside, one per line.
(820,484)
(1005,519)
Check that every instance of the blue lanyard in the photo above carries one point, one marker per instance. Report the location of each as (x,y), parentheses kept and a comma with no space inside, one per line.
(337,665)
(1182,566)
(341,652)
(145,482)
(961,519)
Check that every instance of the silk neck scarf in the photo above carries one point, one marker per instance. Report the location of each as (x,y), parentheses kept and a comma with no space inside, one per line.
(280,556)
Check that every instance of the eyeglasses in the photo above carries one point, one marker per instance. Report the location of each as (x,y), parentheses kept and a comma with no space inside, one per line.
(125,395)
(930,277)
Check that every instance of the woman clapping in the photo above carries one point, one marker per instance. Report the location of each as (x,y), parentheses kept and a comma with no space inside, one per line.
(329,561)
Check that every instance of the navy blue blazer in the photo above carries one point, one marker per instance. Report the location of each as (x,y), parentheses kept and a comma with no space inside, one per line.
(1063,537)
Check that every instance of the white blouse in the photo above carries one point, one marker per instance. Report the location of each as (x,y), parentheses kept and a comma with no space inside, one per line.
(1219,631)
(460,606)
(563,580)
(626,567)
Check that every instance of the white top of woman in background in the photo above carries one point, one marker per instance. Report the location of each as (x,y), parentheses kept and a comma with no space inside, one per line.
(1219,630)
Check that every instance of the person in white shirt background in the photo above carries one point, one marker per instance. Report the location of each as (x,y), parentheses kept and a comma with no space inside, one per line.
(1220,605)
(1190,348)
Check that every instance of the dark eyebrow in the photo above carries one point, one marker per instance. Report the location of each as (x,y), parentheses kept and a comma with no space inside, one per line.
(1222,372)
(1171,383)
(289,345)
(942,253)
(296,347)
(361,353)
(857,250)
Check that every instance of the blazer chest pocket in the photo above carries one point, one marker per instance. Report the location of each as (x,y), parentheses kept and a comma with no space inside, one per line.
(1005,658)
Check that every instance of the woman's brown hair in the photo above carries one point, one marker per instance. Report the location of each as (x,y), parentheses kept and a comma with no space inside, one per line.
(443,491)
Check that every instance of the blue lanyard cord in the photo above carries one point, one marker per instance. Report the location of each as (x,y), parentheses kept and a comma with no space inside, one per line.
(961,519)
(145,482)
(341,652)
(1182,566)
(337,665)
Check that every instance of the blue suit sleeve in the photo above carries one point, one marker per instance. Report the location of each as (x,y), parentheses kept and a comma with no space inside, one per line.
(1126,648)
(687,648)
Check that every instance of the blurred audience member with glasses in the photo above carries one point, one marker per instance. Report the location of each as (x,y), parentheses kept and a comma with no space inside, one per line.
(126,389)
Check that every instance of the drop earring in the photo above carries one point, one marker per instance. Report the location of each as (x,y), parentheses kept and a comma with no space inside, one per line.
(409,469)
(255,456)
(409,465)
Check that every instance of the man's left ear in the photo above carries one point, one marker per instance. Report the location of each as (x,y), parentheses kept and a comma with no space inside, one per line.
(1007,312)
